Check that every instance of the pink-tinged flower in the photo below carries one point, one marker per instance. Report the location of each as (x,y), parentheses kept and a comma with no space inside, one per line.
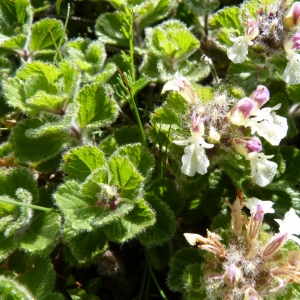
(268,125)
(194,159)
(261,95)
(262,170)
(292,18)
(232,275)
(239,50)
(288,228)
(258,209)
(241,112)
(182,86)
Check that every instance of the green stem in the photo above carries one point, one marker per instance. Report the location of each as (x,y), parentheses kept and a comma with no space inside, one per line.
(133,105)
(154,278)
(143,283)
(25,204)
(131,46)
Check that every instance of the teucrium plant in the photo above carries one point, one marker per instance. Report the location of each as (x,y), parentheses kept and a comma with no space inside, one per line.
(127,127)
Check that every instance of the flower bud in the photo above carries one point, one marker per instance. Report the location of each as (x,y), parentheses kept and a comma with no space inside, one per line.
(232,275)
(261,96)
(292,18)
(275,244)
(245,147)
(197,125)
(183,86)
(254,145)
(213,136)
(296,41)
(255,222)
(252,30)
(251,294)
(240,113)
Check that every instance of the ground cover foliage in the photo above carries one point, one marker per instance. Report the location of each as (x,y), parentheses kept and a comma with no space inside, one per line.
(149,149)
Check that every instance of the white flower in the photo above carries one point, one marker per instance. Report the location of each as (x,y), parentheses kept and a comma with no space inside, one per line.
(239,51)
(290,225)
(253,202)
(291,73)
(268,125)
(194,158)
(262,170)
(192,238)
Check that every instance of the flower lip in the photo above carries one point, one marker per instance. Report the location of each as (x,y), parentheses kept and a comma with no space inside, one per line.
(256,205)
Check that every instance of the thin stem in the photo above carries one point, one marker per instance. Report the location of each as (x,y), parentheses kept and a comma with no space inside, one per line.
(131,46)
(143,283)
(25,204)
(57,50)
(154,278)
(133,105)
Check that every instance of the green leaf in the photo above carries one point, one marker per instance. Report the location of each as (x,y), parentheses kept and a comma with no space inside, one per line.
(181,260)
(22,219)
(202,7)
(12,289)
(7,245)
(247,74)
(139,156)
(15,43)
(160,256)
(42,234)
(97,108)
(40,278)
(29,146)
(42,101)
(13,15)
(80,162)
(46,70)
(41,37)
(122,229)
(164,227)
(165,190)
(15,178)
(293,91)
(127,135)
(124,174)
(82,212)
(70,80)
(108,28)
(227,17)
(88,56)
(85,246)
(192,278)
(14,93)
(171,40)
(149,12)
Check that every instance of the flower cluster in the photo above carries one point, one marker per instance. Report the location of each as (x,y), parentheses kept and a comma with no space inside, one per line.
(253,264)
(228,128)
(273,30)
